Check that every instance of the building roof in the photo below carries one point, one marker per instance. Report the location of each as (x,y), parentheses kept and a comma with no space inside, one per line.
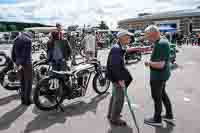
(165,15)
(41,29)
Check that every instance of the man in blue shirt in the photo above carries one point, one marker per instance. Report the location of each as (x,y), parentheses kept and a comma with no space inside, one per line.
(119,76)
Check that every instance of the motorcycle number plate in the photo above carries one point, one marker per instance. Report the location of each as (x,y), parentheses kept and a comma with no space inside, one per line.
(54,84)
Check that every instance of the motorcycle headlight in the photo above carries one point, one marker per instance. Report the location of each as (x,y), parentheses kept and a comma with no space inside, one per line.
(43,70)
(12,76)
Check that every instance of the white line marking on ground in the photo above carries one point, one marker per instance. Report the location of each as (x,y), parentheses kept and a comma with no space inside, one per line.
(186,99)
(133,105)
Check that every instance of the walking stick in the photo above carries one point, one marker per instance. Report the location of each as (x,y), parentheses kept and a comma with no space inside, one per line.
(131,110)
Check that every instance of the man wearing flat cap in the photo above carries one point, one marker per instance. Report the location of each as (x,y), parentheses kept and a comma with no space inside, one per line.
(119,76)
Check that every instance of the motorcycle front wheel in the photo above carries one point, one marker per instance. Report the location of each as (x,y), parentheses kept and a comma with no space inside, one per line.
(100,83)
(82,52)
(48,94)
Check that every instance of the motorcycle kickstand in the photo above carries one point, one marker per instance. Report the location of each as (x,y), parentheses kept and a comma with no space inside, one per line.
(59,107)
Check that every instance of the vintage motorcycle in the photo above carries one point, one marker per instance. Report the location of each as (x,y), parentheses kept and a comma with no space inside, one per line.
(52,90)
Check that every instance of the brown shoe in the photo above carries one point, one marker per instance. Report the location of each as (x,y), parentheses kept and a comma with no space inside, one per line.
(118,122)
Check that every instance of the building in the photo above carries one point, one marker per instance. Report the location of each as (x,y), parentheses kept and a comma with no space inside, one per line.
(182,20)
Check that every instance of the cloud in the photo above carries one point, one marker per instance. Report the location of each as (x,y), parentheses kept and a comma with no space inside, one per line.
(86,11)
(112,6)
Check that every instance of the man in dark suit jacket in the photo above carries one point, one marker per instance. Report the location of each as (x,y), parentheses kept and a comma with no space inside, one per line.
(22,57)
(119,76)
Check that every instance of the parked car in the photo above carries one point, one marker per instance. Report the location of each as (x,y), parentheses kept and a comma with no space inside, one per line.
(133,53)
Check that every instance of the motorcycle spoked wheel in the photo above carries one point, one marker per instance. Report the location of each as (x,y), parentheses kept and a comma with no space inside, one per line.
(100,83)
(53,98)
(82,52)
(3,59)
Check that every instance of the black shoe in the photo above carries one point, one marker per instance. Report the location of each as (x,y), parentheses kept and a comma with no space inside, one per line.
(23,103)
(118,122)
(26,103)
(153,122)
(109,116)
(168,119)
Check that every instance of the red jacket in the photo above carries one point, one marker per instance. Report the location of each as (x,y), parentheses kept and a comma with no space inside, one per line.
(54,36)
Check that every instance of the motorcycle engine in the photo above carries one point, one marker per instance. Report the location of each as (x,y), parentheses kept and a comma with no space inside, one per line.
(79,83)
(43,70)
(82,78)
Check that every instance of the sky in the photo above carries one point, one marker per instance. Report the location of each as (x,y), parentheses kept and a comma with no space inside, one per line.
(89,12)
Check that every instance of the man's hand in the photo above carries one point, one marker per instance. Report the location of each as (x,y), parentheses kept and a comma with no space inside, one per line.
(156,65)
(147,64)
(121,83)
(19,67)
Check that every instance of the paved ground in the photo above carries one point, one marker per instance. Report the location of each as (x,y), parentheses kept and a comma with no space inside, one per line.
(88,114)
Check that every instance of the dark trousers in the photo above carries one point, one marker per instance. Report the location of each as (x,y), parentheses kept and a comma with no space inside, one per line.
(199,41)
(96,53)
(117,100)
(160,96)
(50,54)
(26,83)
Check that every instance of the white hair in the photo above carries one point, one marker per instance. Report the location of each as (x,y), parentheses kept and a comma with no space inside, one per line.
(152,28)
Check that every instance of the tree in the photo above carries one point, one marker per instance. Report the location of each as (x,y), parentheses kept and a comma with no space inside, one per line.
(103,26)
(13,27)
(3,28)
(72,27)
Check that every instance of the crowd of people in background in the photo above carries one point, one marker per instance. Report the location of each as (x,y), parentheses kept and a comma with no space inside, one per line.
(180,39)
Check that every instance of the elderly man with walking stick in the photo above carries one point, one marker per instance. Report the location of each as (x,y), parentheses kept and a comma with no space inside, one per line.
(119,76)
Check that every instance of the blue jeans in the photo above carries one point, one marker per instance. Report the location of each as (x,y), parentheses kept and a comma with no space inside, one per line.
(50,55)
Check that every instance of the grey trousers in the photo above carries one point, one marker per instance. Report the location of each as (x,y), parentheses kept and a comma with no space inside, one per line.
(117,99)
(116,102)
